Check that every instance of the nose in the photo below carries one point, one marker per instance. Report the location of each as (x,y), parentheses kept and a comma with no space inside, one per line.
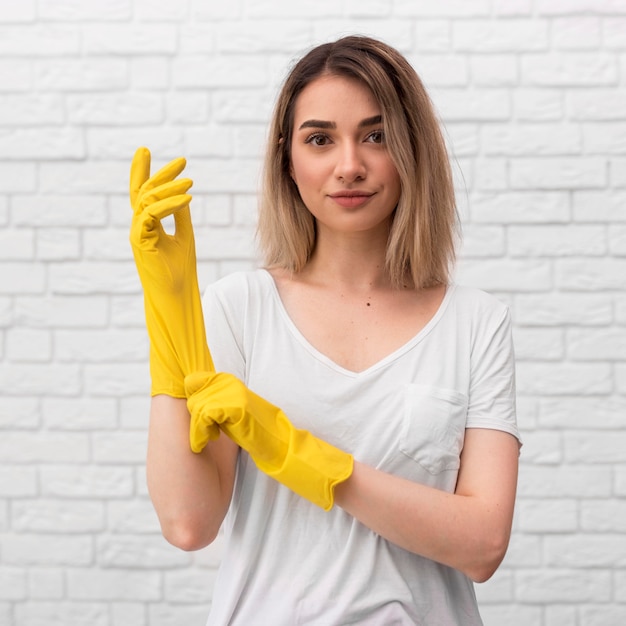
(350,166)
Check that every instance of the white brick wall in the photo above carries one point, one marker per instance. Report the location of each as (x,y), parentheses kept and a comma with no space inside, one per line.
(533,96)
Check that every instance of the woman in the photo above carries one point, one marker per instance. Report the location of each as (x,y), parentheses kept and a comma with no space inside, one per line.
(397,386)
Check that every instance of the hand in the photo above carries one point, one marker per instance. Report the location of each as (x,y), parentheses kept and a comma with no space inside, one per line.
(167,269)
(305,464)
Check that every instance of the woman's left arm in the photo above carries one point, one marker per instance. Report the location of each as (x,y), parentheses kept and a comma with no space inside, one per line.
(468,530)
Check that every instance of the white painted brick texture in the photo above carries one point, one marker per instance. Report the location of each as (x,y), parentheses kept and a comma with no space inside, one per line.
(533,97)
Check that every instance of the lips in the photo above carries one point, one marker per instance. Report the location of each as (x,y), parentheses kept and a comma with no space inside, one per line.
(351,199)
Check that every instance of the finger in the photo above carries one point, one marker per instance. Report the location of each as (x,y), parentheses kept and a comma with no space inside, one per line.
(167,206)
(166,174)
(182,221)
(171,188)
(139,172)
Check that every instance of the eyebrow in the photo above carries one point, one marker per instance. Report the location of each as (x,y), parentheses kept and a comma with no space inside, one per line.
(368,121)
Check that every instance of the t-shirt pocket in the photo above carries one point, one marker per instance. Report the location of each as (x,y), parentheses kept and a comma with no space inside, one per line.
(433,427)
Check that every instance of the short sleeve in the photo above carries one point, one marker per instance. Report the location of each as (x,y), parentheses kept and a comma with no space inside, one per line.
(492,381)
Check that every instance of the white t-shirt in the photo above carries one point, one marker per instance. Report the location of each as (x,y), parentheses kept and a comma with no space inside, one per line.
(286,562)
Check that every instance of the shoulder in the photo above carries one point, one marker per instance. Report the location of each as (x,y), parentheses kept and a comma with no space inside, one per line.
(475,301)
(239,286)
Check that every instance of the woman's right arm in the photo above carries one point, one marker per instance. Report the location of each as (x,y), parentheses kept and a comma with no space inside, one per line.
(190,492)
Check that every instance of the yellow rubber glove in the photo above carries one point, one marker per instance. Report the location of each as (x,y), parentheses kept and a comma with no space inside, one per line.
(167,269)
(307,465)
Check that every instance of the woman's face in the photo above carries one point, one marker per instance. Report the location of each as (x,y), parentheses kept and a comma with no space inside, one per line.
(339,157)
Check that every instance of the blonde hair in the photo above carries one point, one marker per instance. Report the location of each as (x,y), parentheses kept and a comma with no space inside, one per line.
(421,245)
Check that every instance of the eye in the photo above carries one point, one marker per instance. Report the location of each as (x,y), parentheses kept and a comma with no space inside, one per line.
(317,139)
(376,136)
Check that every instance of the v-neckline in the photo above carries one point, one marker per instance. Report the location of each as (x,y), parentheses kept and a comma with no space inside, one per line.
(382,362)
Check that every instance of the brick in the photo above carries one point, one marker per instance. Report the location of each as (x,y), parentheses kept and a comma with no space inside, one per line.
(603,516)
(531,139)
(246,143)
(120,447)
(82,414)
(263,36)
(601,615)
(227,243)
(484,104)
(16,75)
(565,481)
(11,12)
(547,515)
(553,379)
(133,412)
(87,481)
(596,104)
(87,74)
(62,613)
(53,210)
(563,585)
(512,7)
(128,39)
(57,516)
(620,586)
(16,177)
(613,31)
(117,379)
(441,69)
(462,139)
(138,551)
(75,10)
(494,71)
(214,71)
(538,105)
(187,108)
(433,35)
(505,274)
(13,583)
(576,32)
(617,240)
(28,345)
(45,549)
(597,344)
(39,40)
(31,109)
(559,614)
(213,142)
(42,143)
(128,614)
(599,206)
(445,8)
(19,412)
(237,105)
(591,274)
(62,311)
(58,244)
(617,168)
(113,584)
(565,7)
(604,138)
(16,244)
(585,550)
(558,173)
(571,69)
(40,378)
(18,481)
(115,109)
(91,278)
(542,447)
(161,10)
(174,614)
(557,241)
(483,241)
(595,447)
(541,344)
(620,378)
(490,174)
(594,413)
(42,447)
(499,588)
(84,178)
(286,9)
(135,516)
(128,311)
(502,35)
(22,277)
(198,38)
(508,207)
(149,73)
(45,583)
(524,551)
